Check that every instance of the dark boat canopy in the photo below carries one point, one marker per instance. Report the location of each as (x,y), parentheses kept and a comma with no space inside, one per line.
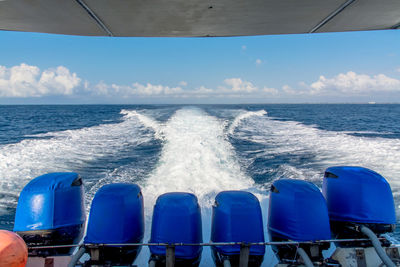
(197,17)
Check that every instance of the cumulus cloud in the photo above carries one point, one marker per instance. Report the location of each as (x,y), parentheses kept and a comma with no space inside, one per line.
(343,84)
(29,81)
(25,80)
(135,89)
(258,61)
(183,83)
(204,90)
(353,83)
(271,91)
(150,89)
(238,85)
(287,89)
(86,85)
(101,88)
(349,84)
(232,87)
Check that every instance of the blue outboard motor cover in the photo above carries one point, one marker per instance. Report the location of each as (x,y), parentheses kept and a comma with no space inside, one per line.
(116,215)
(237,217)
(177,219)
(297,211)
(358,195)
(51,201)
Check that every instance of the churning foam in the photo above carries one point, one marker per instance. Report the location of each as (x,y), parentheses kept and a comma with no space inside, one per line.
(63,151)
(145,120)
(242,116)
(196,157)
(326,148)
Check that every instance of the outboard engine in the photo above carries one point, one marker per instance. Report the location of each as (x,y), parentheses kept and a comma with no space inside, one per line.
(51,212)
(358,196)
(237,217)
(116,217)
(176,219)
(298,212)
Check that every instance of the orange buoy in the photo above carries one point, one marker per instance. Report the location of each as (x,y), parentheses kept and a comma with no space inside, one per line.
(13,250)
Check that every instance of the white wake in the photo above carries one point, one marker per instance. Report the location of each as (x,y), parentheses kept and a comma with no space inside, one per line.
(328,148)
(242,116)
(64,151)
(196,157)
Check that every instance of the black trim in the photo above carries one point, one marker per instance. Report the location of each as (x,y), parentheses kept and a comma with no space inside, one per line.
(331,16)
(274,189)
(95,17)
(330,175)
(77,182)
(396,26)
(61,236)
(254,260)
(161,261)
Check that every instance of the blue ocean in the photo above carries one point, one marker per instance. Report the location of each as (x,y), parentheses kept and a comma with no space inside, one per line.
(202,149)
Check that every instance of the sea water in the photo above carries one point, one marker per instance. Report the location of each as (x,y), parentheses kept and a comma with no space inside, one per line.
(202,149)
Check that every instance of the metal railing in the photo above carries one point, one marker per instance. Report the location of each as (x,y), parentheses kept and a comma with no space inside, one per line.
(170,247)
(209,244)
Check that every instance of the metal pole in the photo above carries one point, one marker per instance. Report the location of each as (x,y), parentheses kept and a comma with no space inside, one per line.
(331,16)
(212,243)
(304,256)
(170,256)
(244,255)
(76,257)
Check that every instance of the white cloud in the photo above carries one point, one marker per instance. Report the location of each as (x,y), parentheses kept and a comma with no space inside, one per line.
(271,91)
(346,84)
(28,81)
(59,81)
(353,83)
(101,88)
(86,85)
(183,83)
(136,89)
(289,90)
(150,89)
(203,90)
(233,87)
(239,85)
(398,69)
(258,62)
(244,47)
(236,87)
(24,80)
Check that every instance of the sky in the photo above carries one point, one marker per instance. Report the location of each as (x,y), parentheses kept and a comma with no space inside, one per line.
(353,67)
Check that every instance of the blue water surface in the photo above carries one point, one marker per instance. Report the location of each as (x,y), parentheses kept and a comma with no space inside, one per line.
(106,143)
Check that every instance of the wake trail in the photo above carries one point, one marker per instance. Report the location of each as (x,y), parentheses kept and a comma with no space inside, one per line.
(147,121)
(196,157)
(65,151)
(243,116)
(305,151)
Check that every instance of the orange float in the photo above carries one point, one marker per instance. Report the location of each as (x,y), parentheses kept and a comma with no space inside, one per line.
(13,250)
